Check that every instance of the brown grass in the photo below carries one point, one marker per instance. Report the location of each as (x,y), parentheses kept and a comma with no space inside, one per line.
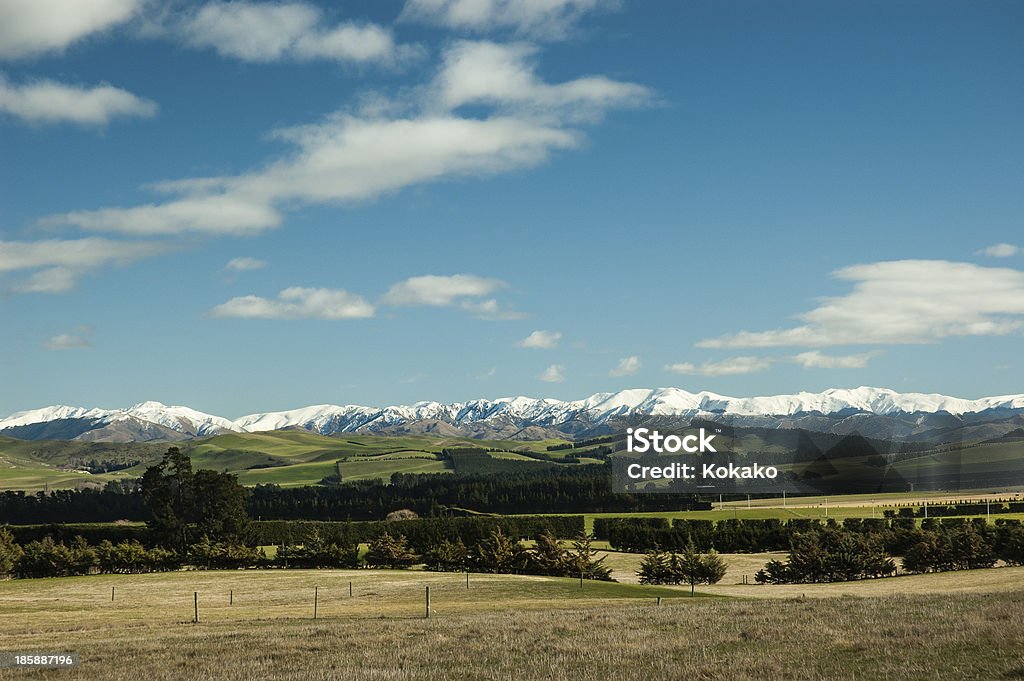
(508,627)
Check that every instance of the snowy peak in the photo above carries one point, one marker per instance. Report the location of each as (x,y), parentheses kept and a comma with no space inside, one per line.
(512,414)
(54,413)
(182,419)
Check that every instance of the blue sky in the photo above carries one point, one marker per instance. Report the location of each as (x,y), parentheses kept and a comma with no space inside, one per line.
(450,199)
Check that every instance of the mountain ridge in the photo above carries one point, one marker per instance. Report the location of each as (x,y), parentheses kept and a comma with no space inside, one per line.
(505,417)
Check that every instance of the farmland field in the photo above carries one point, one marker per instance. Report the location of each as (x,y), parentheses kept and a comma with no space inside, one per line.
(288,458)
(506,627)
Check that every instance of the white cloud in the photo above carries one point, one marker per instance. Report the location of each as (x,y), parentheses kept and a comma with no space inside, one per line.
(537,18)
(264,32)
(67,341)
(217,214)
(73,253)
(816,360)
(489,309)
(553,374)
(32,27)
(541,340)
(50,280)
(440,291)
(245,264)
(47,101)
(903,301)
(350,157)
(57,263)
(298,303)
(460,290)
(627,366)
(733,366)
(480,72)
(1000,251)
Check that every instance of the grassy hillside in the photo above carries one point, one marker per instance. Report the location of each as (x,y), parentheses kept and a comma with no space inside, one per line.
(301,458)
(284,457)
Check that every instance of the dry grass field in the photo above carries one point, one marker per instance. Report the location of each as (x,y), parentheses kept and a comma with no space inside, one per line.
(515,627)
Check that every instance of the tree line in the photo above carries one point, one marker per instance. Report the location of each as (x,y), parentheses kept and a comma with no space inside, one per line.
(689,567)
(895,535)
(841,555)
(945,510)
(540,489)
(496,553)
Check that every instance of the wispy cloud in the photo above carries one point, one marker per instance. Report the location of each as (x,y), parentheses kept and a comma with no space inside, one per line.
(541,340)
(32,27)
(245,264)
(56,264)
(903,301)
(553,374)
(440,291)
(1000,251)
(466,291)
(47,101)
(627,367)
(734,366)
(271,31)
(298,303)
(490,309)
(67,341)
(463,291)
(494,74)
(550,19)
(816,360)
(352,156)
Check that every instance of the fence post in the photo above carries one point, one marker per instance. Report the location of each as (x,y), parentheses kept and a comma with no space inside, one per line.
(231,597)
(350,589)
(659,600)
(195,605)
(111,594)
(467,579)
(316,598)
(427,616)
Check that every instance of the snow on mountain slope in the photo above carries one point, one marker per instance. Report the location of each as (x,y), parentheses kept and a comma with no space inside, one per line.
(181,419)
(46,414)
(525,411)
(319,418)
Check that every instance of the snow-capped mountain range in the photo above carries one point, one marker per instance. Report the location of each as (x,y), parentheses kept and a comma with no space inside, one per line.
(513,417)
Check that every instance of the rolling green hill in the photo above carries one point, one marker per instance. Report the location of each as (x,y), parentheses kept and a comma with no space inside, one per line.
(295,458)
(286,457)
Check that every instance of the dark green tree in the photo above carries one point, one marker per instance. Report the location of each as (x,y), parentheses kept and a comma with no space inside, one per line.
(219,506)
(808,560)
(392,552)
(655,568)
(83,557)
(583,560)
(499,553)
(549,557)
(186,505)
(168,491)
(713,568)
(10,552)
(687,567)
(448,556)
